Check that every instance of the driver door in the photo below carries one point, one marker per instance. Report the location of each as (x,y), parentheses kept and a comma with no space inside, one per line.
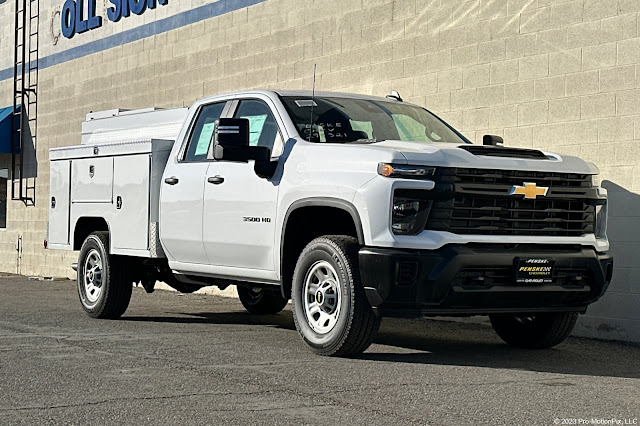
(240,207)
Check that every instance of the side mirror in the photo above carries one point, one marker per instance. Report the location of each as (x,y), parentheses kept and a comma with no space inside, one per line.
(231,142)
(492,140)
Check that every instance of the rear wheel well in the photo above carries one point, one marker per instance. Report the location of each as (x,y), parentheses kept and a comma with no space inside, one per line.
(305,224)
(85,226)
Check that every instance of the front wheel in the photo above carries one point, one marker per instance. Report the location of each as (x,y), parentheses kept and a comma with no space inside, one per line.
(330,309)
(261,301)
(103,284)
(534,331)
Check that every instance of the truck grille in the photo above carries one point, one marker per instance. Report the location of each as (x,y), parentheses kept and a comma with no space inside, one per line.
(477,201)
(493,177)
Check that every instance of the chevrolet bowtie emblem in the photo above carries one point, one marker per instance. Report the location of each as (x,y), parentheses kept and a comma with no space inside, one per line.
(529,190)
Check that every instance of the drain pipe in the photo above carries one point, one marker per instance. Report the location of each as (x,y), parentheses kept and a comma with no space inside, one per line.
(19,255)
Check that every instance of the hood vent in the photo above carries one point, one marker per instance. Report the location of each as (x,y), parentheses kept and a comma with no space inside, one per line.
(500,151)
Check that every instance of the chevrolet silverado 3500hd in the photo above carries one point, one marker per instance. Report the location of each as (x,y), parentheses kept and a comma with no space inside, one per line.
(354,207)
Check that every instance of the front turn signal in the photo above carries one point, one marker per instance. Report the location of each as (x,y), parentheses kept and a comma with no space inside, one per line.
(405,171)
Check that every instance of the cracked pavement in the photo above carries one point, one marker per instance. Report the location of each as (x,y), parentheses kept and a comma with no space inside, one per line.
(201,359)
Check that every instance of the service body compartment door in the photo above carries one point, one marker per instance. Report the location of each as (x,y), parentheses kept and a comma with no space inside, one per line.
(59,206)
(92,180)
(130,221)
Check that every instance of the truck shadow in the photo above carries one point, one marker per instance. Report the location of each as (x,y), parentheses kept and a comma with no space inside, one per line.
(476,345)
(436,342)
(282,320)
(615,316)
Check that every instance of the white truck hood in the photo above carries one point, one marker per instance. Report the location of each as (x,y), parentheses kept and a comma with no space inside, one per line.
(450,155)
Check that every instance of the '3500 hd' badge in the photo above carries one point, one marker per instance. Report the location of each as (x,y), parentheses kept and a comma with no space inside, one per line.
(256,219)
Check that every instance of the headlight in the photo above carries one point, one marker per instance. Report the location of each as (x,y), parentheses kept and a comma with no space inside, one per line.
(410,211)
(595,180)
(601,221)
(405,171)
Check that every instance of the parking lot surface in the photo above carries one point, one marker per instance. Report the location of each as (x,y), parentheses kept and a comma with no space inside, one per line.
(201,359)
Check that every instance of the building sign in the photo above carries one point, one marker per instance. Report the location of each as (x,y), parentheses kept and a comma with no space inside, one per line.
(74,19)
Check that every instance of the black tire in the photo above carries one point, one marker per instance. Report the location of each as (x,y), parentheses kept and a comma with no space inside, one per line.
(355,324)
(109,296)
(261,301)
(534,331)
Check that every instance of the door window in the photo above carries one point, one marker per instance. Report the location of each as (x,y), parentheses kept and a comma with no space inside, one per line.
(202,133)
(263,129)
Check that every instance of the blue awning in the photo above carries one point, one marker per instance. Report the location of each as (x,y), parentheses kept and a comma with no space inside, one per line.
(7,134)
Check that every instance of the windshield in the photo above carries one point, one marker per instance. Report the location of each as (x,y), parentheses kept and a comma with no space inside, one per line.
(343,120)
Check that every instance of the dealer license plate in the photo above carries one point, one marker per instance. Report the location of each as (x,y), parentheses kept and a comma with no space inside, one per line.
(533,270)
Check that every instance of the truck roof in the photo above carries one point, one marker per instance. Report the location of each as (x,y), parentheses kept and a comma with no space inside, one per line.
(308,93)
(303,93)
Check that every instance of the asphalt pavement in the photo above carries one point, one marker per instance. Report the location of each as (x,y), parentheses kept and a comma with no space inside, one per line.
(201,359)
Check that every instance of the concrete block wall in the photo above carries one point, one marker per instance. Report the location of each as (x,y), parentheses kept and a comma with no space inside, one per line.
(548,74)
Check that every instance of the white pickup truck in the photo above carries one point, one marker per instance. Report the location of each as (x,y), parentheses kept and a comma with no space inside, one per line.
(354,207)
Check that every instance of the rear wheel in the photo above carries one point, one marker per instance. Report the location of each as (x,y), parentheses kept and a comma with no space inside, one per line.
(103,285)
(536,331)
(330,308)
(261,301)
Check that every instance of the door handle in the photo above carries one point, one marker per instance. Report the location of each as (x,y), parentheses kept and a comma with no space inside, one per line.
(216,180)
(171,180)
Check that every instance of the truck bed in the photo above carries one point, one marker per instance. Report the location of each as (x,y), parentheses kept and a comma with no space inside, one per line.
(117,181)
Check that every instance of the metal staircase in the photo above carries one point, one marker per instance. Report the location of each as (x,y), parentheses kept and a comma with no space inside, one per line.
(25,101)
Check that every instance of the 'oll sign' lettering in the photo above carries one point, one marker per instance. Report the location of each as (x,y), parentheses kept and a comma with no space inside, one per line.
(80,16)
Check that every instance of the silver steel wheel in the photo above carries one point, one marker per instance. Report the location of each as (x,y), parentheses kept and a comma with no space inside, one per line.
(92,277)
(322,298)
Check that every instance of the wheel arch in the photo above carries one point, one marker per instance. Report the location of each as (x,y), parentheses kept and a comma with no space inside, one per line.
(346,221)
(85,225)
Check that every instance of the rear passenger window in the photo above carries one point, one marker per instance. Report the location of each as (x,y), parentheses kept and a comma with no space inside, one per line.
(203,132)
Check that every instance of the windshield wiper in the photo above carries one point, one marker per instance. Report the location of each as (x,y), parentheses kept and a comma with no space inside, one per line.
(365,141)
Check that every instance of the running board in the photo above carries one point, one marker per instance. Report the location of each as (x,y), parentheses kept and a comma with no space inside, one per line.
(74,266)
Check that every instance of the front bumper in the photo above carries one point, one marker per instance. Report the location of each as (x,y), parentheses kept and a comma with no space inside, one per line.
(475,279)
